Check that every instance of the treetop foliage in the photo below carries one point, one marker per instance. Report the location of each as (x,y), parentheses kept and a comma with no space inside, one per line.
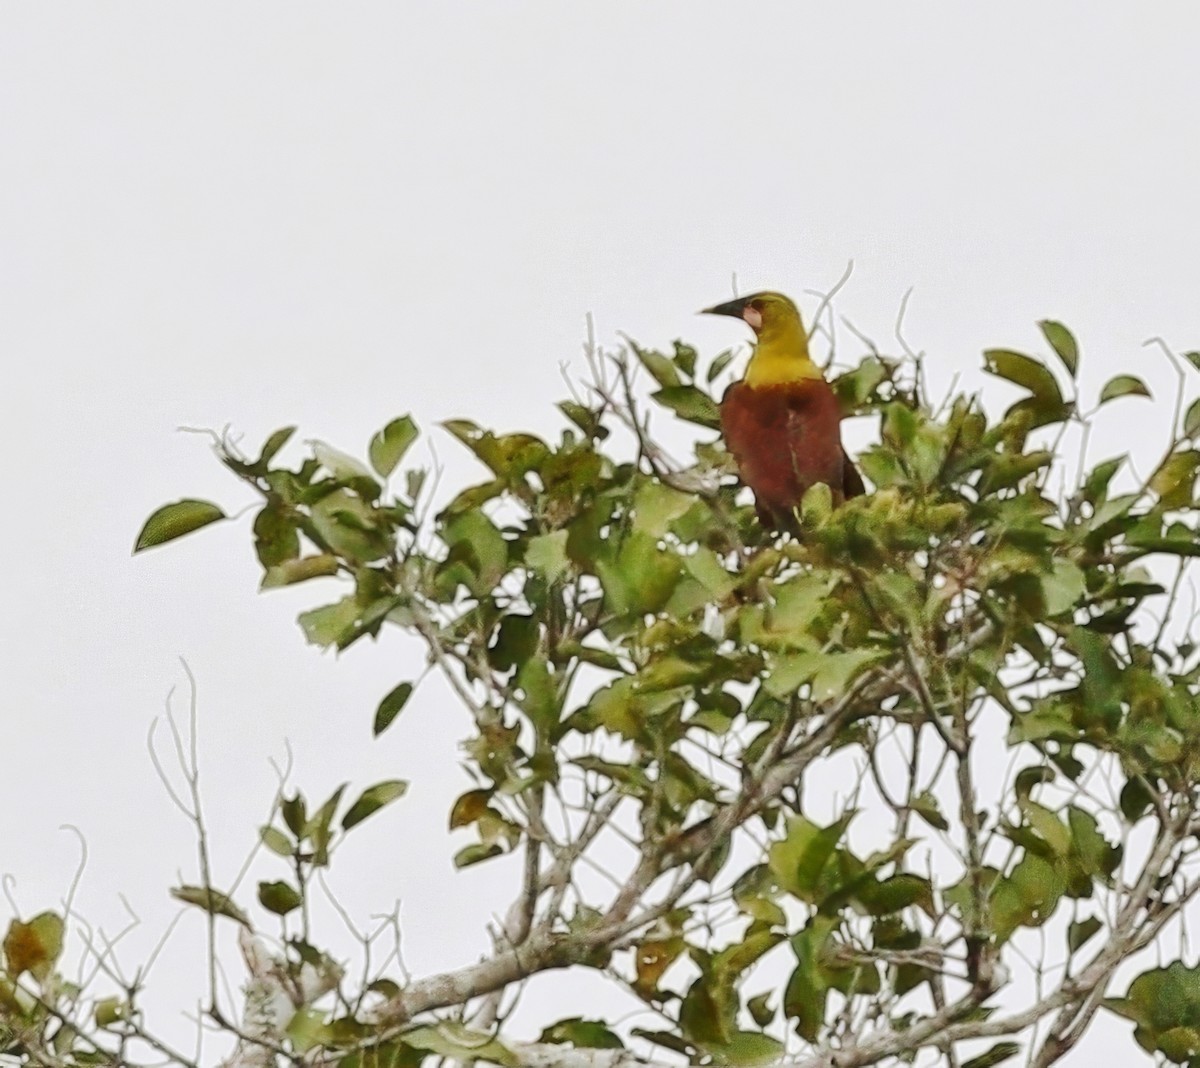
(842,786)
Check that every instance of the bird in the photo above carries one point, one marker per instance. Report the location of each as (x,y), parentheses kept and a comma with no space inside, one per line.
(782,421)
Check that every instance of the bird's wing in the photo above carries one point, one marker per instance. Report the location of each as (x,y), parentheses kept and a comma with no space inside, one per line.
(852,483)
(813,438)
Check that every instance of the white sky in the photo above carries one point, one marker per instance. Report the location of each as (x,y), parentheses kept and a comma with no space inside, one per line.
(259,214)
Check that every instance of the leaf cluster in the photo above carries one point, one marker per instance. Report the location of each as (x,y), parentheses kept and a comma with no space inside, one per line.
(624,635)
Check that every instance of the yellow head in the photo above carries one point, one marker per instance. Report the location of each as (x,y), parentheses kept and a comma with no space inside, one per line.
(781,351)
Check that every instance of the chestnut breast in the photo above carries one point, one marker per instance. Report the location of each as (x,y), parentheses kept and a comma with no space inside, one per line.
(784,439)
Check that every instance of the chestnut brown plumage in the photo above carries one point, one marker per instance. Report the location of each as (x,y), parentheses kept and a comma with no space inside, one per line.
(782,422)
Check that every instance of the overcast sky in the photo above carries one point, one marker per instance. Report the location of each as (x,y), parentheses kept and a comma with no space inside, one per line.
(270,213)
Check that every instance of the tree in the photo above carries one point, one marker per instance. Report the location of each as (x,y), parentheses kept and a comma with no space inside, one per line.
(915,784)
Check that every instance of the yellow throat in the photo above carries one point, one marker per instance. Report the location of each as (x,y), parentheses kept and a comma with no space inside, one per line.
(781,353)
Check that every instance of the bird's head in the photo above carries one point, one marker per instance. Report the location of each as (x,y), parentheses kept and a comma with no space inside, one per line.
(766,313)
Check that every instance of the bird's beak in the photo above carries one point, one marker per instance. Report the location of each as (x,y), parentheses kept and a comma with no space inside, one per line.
(736,308)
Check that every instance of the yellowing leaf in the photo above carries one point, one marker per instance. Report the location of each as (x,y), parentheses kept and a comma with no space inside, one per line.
(33,947)
(469,807)
(212,901)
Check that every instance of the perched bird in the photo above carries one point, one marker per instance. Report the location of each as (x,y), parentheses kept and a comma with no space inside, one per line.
(782,422)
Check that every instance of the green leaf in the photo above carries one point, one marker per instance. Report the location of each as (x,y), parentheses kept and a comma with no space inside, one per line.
(107,1012)
(807,990)
(1175,479)
(1029,778)
(211,901)
(414,480)
(691,404)
(1136,799)
(372,800)
(640,577)
(1180,1044)
(998,1054)
(587,419)
(1123,386)
(539,694)
(925,805)
(760,1009)
(896,893)
(277,842)
(1047,402)
(661,368)
(307,1029)
(275,536)
(684,358)
(1092,855)
(289,572)
(295,812)
(1063,342)
(458,1042)
(476,853)
(547,554)
(273,444)
(327,625)
(582,1034)
(477,541)
(855,388)
(514,641)
(1080,931)
(390,707)
(350,527)
(706,1014)
(1191,421)
(816,506)
(830,674)
(318,829)
(1063,588)
(1027,897)
(656,506)
(1165,1005)
(278,897)
(1007,469)
(747,1048)
(172,521)
(799,859)
(1049,827)
(1095,485)
(719,363)
(388,447)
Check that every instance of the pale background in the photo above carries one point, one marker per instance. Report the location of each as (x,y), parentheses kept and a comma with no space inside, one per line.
(259,214)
